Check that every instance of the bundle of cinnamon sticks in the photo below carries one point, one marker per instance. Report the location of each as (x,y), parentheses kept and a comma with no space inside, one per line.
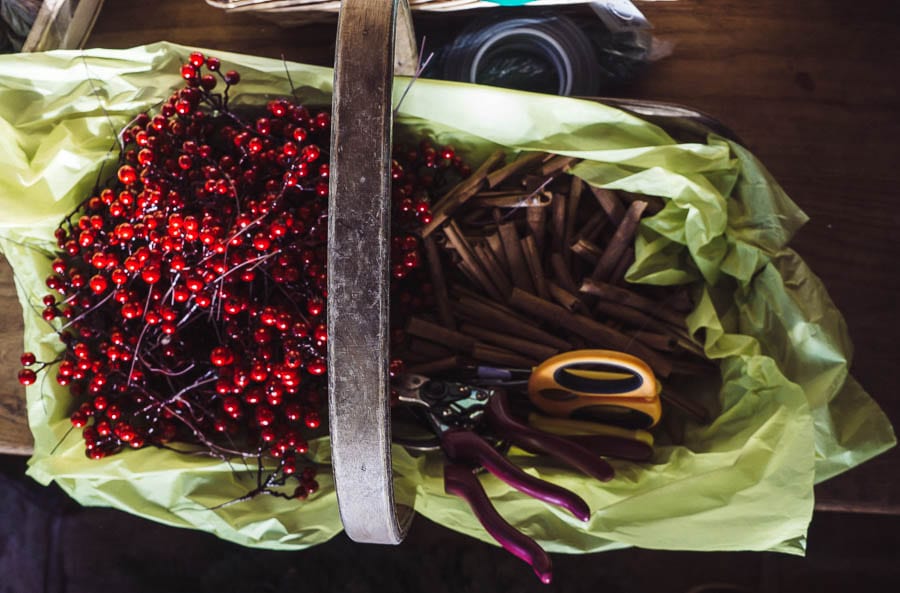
(528,261)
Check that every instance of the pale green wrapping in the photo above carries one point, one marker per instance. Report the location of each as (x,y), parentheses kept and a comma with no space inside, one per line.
(791,415)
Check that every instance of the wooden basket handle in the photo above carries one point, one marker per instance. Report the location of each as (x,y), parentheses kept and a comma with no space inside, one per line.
(359,266)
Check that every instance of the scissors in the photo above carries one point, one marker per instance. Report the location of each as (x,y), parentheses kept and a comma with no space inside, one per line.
(455,413)
(597,385)
(600,386)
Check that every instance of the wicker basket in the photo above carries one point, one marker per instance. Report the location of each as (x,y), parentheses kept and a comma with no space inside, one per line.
(282,7)
(293,12)
(62,24)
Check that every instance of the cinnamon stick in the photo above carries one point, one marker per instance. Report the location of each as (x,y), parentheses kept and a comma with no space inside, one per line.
(501,357)
(618,274)
(418,350)
(537,223)
(460,292)
(558,222)
(416,326)
(654,203)
(692,367)
(558,163)
(523,162)
(591,228)
(468,272)
(436,269)
(659,342)
(575,191)
(490,264)
(462,246)
(496,246)
(536,183)
(435,366)
(632,317)
(689,345)
(610,204)
(622,239)
(680,301)
(587,251)
(518,267)
(533,260)
(565,298)
(561,272)
(503,322)
(684,404)
(623,296)
(595,333)
(522,346)
(458,196)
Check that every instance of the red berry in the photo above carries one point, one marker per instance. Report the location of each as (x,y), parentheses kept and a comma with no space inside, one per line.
(267,435)
(151,274)
(27,377)
(232,406)
(127,174)
(317,367)
(315,307)
(232,77)
(221,356)
(277,108)
(28,359)
(309,153)
(264,415)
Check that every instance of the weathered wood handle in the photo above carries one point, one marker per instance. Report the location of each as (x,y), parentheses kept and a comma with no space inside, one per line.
(358,267)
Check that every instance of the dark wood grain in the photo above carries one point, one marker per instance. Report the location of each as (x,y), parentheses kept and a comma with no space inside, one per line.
(811,86)
(15,437)
(812,89)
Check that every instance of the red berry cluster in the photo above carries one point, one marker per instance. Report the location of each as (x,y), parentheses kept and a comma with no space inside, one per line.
(192,288)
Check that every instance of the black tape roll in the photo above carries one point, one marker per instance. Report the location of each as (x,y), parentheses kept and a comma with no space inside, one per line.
(545,53)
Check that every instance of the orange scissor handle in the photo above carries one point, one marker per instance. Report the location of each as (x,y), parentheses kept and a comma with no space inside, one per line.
(601,385)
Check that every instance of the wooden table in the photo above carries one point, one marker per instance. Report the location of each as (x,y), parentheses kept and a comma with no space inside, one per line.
(810,86)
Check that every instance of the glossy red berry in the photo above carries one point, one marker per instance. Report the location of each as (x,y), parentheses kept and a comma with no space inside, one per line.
(221,356)
(78,419)
(98,284)
(127,174)
(188,72)
(264,415)
(316,367)
(27,377)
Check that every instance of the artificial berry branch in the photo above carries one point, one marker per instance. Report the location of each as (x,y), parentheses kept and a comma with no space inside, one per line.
(192,284)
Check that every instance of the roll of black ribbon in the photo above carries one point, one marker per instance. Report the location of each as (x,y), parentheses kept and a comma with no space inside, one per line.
(545,53)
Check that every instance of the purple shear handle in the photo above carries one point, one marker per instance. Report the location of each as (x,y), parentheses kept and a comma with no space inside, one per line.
(464,446)
(460,481)
(500,418)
